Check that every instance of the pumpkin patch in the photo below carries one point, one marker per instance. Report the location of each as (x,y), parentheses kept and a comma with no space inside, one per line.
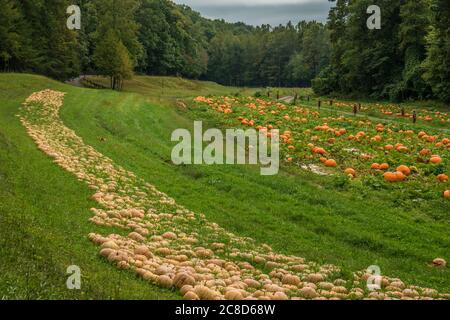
(340,143)
(160,241)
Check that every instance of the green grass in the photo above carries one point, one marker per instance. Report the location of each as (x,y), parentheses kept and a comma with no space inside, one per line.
(374,115)
(44,216)
(44,211)
(159,87)
(169,89)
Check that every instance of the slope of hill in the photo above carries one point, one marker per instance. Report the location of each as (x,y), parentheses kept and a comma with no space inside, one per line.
(45,211)
(44,216)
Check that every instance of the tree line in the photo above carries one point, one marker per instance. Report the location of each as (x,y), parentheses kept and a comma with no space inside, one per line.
(407,58)
(156,37)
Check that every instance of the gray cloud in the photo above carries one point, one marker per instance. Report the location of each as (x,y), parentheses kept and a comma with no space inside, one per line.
(259,12)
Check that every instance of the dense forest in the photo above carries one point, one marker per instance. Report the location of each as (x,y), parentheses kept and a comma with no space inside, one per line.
(409,58)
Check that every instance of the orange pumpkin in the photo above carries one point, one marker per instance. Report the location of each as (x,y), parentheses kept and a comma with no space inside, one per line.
(384,166)
(318,150)
(405,170)
(431,138)
(350,172)
(394,176)
(390,177)
(425,152)
(435,159)
(400,176)
(447,194)
(375,166)
(442,178)
(331,163)
(376,139)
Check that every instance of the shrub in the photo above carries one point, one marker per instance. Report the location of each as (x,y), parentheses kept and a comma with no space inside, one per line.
(326,82)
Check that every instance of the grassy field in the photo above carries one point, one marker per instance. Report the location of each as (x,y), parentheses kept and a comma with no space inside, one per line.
(44,211)
(44,216)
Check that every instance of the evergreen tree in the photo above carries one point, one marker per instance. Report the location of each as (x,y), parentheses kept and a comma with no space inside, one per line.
(437,63)
(413,30)
(60,54)
(119,16)
(313,56)
(11,40)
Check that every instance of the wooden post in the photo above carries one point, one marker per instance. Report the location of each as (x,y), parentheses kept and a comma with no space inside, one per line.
(414,117)
(278,95)
(331,102)
(355,109)
(319,104)
(295,98)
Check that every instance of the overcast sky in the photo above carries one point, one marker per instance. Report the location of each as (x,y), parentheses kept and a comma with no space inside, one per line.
(257,12)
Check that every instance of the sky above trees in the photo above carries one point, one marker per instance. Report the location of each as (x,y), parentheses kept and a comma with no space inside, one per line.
(257,12)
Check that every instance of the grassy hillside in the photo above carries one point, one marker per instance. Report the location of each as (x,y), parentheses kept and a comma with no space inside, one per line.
(44,216)
(173,88)
(44,211)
